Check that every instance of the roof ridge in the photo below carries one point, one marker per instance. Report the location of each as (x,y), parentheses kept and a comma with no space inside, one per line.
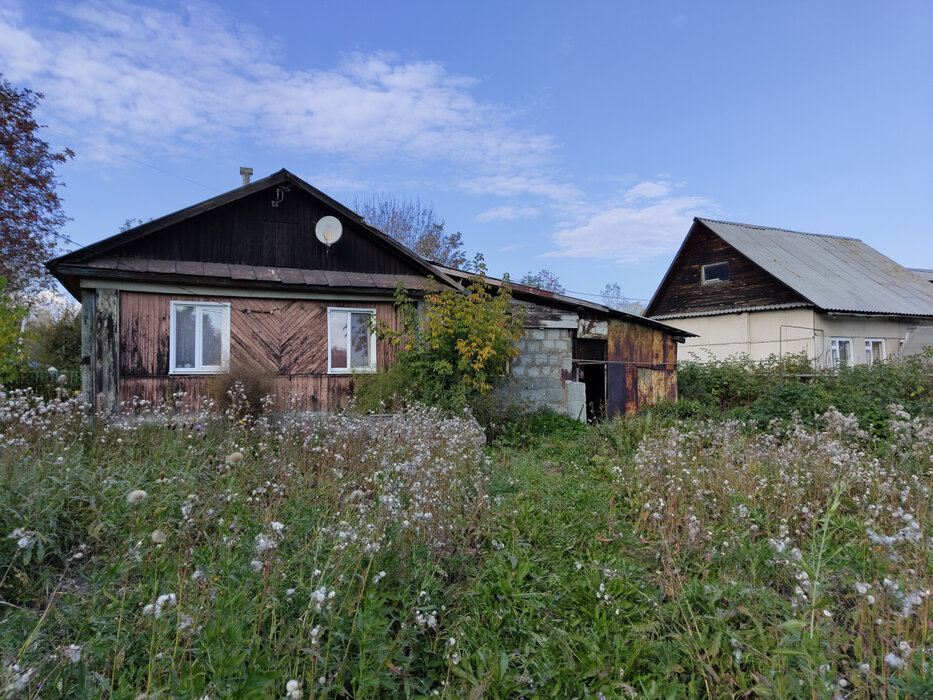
(782,230)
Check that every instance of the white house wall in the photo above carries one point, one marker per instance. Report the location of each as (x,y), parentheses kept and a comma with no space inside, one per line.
(757,334)
(760,334)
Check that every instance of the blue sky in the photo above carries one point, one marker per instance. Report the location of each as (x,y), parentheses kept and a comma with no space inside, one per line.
(579,137)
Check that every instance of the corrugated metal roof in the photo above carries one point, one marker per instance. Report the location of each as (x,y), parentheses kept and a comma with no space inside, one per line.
(733,310)
(834,273)
(923,272)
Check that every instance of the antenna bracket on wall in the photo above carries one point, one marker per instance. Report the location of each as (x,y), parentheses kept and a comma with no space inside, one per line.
(280,194)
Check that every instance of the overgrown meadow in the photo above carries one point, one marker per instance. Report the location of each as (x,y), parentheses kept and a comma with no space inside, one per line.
(348,556)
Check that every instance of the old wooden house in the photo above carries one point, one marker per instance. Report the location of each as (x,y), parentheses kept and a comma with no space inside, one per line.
(257,278)
(761,291)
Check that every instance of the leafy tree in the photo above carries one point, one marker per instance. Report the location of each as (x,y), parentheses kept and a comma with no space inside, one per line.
(451,352)
(30,209)
(613,298)
(12,359)
(543,279)
(55,339)
(416,226)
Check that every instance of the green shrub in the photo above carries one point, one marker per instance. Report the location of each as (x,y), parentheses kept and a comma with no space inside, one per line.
(778,388)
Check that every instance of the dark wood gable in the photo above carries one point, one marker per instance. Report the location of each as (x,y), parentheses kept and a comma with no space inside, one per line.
(684,291)
(251,231)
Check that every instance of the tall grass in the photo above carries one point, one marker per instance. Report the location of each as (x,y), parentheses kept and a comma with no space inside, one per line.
(226,557)
(220,555)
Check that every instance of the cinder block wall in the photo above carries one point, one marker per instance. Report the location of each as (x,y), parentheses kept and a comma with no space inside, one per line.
(543,372)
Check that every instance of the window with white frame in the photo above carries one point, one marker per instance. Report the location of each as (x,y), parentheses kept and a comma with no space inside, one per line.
(874,350)
(351,341)
(199,340)
(841,349)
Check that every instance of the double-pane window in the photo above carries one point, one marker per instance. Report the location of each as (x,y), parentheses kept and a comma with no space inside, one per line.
(351,342)
(199,338)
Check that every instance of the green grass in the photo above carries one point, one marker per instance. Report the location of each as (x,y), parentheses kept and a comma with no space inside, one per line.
(393,557)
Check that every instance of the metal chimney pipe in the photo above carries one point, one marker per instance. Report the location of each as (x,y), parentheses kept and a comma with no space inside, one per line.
(246,172)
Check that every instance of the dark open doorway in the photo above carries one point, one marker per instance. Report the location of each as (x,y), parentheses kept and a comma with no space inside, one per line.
(590,355)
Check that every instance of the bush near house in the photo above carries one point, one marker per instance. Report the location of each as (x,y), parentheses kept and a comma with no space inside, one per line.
(776,389)
(451,355)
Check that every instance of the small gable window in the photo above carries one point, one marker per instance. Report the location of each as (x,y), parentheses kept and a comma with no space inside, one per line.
(716,272)
(199,341)
(351,341)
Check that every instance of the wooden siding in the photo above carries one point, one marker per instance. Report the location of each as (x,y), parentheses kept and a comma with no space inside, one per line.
(683,292)
(250,231)
(285,338)
(642,367)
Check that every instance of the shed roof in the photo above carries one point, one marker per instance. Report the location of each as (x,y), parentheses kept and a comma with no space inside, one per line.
(561,301)
(832,272)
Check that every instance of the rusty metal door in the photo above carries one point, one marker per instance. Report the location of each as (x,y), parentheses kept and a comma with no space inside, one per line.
(617,391)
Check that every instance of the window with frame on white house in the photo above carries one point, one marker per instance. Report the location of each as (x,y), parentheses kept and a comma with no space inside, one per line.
(841,349)
(199,337)
(351,341)
(874,350)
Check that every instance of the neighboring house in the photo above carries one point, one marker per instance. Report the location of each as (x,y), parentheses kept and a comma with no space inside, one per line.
(762,291)
(241,280)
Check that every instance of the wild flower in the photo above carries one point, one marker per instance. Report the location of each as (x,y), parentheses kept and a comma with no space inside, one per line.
(255,565)
(893,660)
(72,653)
(234,458)
(293,690)
(136,496)
(25,539)
(158,537)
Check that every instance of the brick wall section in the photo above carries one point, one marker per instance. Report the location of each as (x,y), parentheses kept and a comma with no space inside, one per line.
(545,354)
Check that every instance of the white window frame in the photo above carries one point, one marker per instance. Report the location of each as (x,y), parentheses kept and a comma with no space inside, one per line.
(372,341)
(834,351)
(869,356)
(715,280)
(225,338)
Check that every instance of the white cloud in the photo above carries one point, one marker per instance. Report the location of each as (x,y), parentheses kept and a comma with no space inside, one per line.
(506,213)
(129,77)
(646,223)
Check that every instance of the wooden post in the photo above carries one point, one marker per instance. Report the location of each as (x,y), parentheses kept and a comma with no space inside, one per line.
(87,346)
(107,351)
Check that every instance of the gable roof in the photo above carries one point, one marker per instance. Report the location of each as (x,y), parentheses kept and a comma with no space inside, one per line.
(103,256)
(831,272)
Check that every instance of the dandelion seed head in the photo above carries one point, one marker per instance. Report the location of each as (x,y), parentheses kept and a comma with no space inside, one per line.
(136,496)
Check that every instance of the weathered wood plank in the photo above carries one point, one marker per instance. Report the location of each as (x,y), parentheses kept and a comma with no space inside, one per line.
(107,351)
(87,345)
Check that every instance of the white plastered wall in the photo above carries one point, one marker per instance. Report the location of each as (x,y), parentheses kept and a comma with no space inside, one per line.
(760,334)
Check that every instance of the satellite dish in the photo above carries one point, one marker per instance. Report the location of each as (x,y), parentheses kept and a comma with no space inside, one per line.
(328,230)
